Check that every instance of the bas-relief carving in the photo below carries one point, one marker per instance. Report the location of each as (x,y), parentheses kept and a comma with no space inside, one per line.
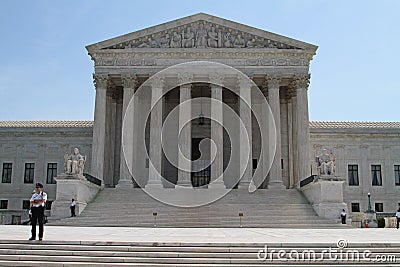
(202,35)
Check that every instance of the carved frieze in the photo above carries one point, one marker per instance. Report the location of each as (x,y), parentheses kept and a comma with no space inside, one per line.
(202,34)
(174,59)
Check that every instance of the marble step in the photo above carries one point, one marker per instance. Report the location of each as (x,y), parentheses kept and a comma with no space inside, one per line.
(171,254)
(264,208)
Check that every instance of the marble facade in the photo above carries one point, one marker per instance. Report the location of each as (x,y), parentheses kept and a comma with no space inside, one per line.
(279,68)
(277,65)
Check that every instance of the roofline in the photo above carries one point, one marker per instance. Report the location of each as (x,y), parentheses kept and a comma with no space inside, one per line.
(199,16)
(313,124)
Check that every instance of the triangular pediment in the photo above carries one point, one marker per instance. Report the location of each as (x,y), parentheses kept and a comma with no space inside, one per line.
(201,31)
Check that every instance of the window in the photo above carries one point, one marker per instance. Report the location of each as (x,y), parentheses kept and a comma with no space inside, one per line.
(29,173)
(376,175)
(353,175)
(26,204)
(3,204)
(397,174)
(7,170)
(51,173)
(48,205)
(379,207)
(355,207)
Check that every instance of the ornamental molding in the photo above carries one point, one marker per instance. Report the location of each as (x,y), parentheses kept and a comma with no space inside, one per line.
(233,59)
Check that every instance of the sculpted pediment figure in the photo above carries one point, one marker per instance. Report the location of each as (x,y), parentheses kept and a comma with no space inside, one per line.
(201,31)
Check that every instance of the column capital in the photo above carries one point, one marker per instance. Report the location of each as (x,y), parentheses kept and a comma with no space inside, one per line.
(291,92)
(244,82)
(157,82)
(264,89)
(302,81)
(129,81)
(185,78)
(272,81)
(100,81)
(217,78)
(185,86)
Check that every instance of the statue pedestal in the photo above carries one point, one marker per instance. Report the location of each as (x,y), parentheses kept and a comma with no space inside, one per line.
(326,196)
(72,187)
(370,221)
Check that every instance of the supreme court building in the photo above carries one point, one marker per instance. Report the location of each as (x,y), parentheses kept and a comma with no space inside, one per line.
(127,147)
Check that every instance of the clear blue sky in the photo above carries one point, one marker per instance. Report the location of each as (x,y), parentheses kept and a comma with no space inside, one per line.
(46,74)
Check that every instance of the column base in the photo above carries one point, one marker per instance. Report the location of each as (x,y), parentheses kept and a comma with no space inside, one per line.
(124,184)
(217,184)
(153,185)
(276,185)
(244,185)
(185,184)
(249,186)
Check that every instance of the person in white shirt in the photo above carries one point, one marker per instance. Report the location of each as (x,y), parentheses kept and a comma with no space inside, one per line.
(73,204)
(398,217)
(343,216)
(38,201)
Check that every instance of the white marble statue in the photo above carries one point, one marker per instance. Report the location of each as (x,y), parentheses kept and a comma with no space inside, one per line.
(326,163)
(74,163)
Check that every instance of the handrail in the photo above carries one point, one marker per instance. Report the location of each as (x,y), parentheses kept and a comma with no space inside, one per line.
(92,179)
(307,181)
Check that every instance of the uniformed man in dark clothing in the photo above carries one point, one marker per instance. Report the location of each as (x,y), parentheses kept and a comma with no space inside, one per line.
(38,201)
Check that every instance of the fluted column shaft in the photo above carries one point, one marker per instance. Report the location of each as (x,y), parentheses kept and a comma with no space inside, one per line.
(129,83)
(274,102)
(303,130)
(185,136)
(217,137)
(155,134)
(99,127)
(246,163)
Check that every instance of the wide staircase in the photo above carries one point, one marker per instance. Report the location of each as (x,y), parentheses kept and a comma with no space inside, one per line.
(263,208)
(54,254)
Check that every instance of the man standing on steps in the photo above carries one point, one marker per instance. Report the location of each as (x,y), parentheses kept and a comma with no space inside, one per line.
(73,205)
(343,216)
(38,201)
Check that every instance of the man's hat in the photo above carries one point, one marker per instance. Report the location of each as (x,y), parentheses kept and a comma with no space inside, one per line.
(39,185)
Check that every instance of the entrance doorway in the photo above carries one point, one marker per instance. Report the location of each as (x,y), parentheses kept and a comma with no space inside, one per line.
(200,178)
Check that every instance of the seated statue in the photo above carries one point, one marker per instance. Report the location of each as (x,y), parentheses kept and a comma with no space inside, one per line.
(326,163)
(74,163)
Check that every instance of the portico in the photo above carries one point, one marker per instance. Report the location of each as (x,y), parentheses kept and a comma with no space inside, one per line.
(275,65)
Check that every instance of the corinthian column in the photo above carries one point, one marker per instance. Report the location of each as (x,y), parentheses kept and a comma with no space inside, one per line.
(275,180)
(265,117)
(99,127)
(129,83)
(303,131)
(157,85)
(185,132)
(246,163)
(217,132)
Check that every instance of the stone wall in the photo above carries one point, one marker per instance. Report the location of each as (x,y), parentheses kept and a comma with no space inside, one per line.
(39,145)
(364,147)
